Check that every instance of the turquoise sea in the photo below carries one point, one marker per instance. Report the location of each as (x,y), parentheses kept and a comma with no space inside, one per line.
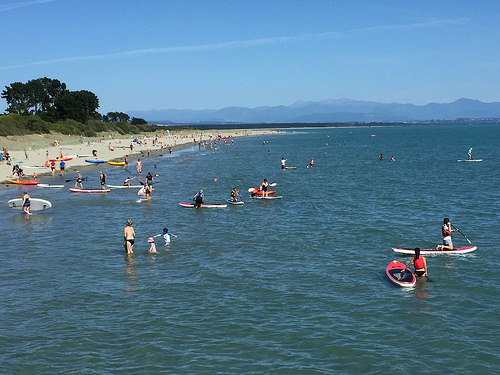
(290,286)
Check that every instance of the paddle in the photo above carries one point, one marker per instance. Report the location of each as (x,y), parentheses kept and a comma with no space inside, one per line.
(458,230)
(136,177)
(71,179)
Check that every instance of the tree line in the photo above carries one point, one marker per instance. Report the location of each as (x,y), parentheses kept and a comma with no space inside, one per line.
(52,101)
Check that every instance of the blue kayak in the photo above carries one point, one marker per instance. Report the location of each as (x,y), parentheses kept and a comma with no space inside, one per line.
(95,161)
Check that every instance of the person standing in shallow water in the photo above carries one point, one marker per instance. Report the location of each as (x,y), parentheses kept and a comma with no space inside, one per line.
(129,237)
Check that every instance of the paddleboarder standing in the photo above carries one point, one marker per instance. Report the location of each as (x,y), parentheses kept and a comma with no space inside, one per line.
(102,177)
(283,161)
(263,186)
(446,230)
(469,154)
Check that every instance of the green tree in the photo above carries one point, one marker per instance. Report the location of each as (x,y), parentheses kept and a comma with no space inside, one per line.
(77,105)
(138,121)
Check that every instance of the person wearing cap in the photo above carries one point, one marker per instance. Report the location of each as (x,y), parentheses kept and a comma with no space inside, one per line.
(152,246)
(166,236)
(129,237)
(198,199)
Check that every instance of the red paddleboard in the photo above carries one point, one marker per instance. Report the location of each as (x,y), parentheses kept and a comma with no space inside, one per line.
(395,274)
(458,250)
(95,191)
(24,182)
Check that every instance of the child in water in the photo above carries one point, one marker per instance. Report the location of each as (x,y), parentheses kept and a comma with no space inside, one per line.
(152,246)
(166,236)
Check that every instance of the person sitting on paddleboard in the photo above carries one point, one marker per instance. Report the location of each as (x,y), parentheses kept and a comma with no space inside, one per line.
(446,232)
(234,193)
(263,187)
(419,263)
(166,236)
(198,199)
(128,181)
(26,203)
(283,161)
(311,164)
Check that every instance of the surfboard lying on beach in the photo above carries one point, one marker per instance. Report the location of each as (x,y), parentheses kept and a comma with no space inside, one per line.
(470,160)
(35,204)
(394,272)
(94,191)
(50,186)
(236,203)
(214,205)
(24,182)
(118,163)
(458,250)
(63,159)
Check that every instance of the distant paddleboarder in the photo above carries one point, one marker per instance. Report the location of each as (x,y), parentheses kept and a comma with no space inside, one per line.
(283,161)
(198,199)
(469,154)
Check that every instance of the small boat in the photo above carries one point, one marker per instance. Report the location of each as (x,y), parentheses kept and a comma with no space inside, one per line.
(23,182)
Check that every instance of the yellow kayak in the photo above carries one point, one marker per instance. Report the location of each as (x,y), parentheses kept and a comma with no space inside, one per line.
(120,163)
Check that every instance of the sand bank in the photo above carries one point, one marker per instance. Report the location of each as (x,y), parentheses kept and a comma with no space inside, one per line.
(32,152)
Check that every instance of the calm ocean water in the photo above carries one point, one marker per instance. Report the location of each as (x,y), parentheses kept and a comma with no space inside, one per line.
(286,286)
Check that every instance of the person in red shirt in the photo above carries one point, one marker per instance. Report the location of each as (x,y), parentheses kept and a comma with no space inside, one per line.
(419,263)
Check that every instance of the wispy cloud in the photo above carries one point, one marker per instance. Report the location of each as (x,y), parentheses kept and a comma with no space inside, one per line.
(22,4)
(236,44)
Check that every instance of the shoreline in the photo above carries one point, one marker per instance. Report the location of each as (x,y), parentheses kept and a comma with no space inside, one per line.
(109,147)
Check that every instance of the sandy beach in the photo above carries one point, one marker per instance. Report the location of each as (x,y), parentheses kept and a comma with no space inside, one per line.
(32,152)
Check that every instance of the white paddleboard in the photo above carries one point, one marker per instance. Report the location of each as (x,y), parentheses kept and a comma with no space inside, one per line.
(477,160)
(141,191)
(123,186)
(35,204)
(50,186)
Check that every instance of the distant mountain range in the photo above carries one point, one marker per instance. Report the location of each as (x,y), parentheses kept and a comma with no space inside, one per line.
(327,111)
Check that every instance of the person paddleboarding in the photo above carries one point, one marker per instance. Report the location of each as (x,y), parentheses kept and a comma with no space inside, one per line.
(446,230)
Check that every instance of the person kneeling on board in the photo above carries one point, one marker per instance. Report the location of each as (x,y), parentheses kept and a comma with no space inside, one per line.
(446,232)
(419,263)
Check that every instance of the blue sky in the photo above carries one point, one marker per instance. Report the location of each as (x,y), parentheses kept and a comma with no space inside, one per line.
(155,54)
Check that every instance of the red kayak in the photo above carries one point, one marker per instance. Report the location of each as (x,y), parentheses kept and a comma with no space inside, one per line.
(396,272)
(24,182)
(63,159)
(260,192)
(458,250)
